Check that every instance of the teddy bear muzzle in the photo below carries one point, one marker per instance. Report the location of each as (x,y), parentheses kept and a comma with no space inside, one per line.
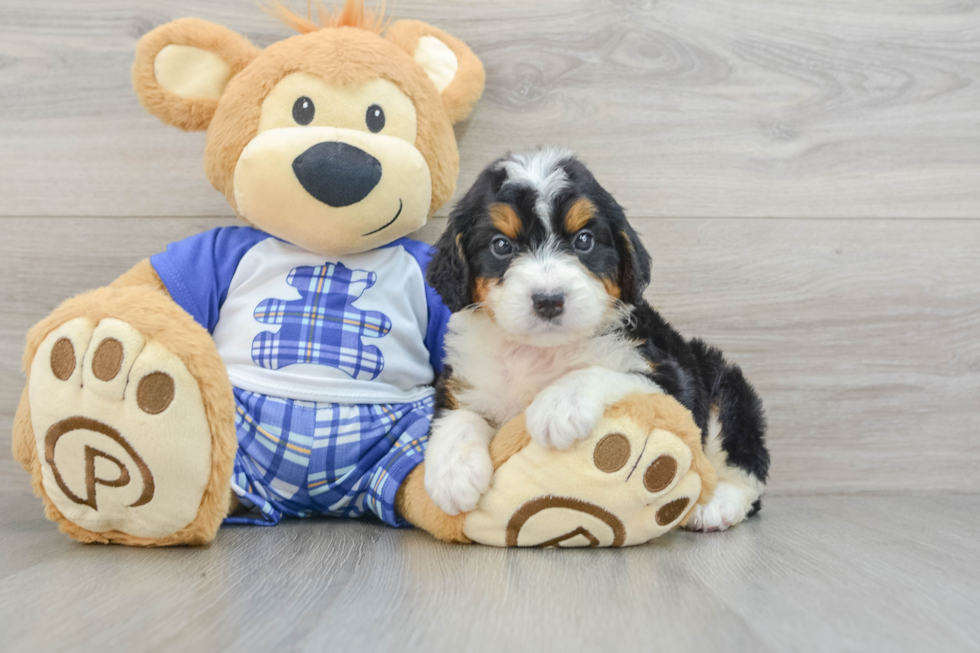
(331,190)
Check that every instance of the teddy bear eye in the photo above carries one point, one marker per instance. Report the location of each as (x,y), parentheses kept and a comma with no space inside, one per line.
(303,111)
(375,118)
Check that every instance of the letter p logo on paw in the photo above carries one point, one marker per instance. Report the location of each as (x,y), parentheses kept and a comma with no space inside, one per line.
(93,458)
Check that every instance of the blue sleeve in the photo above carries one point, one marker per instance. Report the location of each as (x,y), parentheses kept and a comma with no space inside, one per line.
(438,323)
(438,313)
(197,271)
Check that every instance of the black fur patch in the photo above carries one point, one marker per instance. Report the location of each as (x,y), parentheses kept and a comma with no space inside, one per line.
(444,399)
(699,377)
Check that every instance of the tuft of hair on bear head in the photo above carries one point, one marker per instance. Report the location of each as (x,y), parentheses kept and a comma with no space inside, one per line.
(352,14)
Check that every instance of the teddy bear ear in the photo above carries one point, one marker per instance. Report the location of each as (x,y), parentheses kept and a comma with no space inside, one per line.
(183,67)
(456,72)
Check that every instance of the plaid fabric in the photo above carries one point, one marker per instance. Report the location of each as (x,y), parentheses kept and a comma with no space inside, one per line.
(323,327)
(301,458)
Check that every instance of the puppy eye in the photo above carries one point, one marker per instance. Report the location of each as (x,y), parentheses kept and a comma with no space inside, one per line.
(303,111)
(501,247)
(583,241)
(375,118)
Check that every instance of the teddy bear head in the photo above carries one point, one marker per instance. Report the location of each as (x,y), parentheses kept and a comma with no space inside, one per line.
(338,139)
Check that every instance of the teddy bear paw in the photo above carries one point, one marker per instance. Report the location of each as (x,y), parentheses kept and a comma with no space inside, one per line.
(628,482)
(121,430)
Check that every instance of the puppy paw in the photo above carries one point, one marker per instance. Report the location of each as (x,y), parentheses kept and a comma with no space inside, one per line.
(458,478)
(562,415)
(458,469)
(728,506)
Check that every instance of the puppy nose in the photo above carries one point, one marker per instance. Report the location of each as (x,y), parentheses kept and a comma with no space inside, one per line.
(337,174)
(548,305)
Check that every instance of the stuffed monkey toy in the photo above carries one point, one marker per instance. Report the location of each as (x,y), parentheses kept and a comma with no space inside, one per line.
(285,368)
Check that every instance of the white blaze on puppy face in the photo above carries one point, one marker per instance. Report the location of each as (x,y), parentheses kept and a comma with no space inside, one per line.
(540,171)
(548,270)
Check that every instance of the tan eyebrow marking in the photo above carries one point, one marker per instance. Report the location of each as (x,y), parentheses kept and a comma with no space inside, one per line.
(505,219)
(579,214)
(612,288)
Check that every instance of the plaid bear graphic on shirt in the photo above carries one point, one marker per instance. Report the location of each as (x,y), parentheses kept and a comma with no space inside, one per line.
(323,327)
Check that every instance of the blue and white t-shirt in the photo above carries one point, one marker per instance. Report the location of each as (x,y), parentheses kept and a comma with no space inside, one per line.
(355,329)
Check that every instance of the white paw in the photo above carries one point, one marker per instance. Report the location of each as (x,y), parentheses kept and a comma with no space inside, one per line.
(458,469)
(727,507)
(561,415)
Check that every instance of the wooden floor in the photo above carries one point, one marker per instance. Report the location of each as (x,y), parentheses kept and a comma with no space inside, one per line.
(831,573)
(806,176)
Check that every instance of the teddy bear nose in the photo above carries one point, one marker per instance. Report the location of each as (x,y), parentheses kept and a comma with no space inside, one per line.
(337,174)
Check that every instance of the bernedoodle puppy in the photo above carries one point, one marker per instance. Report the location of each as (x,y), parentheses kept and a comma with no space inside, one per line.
(545,278)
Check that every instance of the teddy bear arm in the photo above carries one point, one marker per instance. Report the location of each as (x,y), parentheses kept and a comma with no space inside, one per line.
(141,274)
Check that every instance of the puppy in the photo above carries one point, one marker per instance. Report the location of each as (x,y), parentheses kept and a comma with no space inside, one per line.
(545,278)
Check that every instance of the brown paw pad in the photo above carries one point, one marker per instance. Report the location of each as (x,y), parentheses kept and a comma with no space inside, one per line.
(63,359)
(671,511)
(612,453)
(660,474)
(155,392)
(107,360)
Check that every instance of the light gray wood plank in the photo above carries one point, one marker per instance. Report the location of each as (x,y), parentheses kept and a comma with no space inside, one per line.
(862,336)
(809,574)
(763,108)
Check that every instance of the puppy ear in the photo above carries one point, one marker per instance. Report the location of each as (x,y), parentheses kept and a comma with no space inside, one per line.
(449,271)
(634,261)
(183,67)
(456,72)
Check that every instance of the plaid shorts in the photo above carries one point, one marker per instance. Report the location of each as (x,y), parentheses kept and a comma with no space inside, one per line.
(302,458)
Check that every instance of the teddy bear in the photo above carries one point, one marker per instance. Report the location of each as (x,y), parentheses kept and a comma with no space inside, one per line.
(284,368)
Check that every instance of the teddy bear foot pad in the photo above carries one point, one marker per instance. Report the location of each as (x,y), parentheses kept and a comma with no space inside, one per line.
(121,430)
(626,484)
